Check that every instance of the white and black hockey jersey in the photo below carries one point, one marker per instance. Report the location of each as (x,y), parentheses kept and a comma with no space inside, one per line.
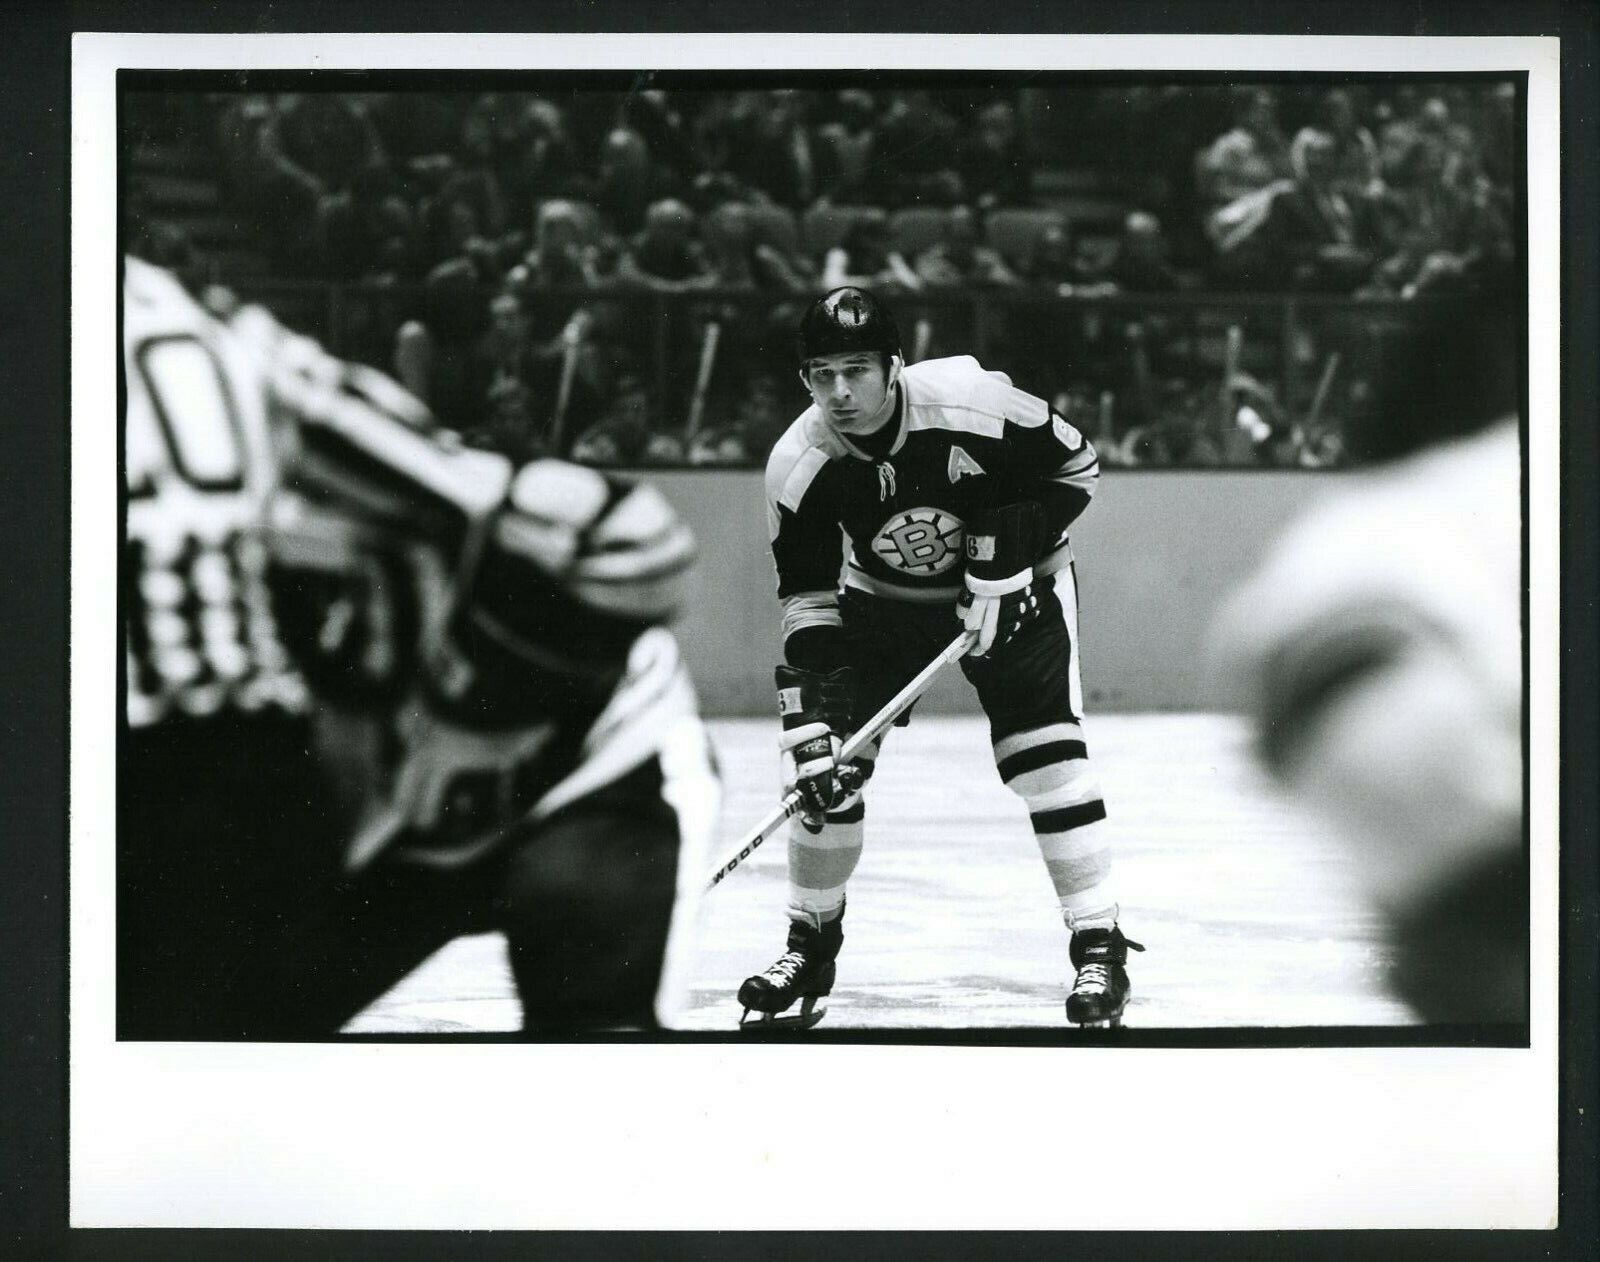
(965,441)
(200,633)
(502,628)
(508,622)
(1396,600)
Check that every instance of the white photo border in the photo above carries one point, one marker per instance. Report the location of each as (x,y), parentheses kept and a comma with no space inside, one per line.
(697,1136)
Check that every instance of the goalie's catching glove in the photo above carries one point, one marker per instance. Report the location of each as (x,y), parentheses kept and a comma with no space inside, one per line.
(815,708)
(1000,600)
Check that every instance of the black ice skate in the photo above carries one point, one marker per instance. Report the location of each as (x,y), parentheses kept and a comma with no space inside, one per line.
(1101,990)
(804,972)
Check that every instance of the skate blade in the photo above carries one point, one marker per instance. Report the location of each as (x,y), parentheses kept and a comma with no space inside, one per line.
(811,1012)
(1112,1021)
(1098,1023)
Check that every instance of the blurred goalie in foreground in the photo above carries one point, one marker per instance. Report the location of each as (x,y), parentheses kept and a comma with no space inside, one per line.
(508,738)
(1379,654)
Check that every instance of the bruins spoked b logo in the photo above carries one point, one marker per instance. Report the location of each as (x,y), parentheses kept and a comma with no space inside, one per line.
(920,541)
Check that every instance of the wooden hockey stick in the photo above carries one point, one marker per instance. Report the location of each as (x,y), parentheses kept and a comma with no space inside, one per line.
(1232,353)
(702,381)
(1144,388)
(864,736)
(572,342)
(1323,386)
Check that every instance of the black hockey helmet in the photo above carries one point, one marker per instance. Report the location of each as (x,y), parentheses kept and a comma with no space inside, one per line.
(844,320)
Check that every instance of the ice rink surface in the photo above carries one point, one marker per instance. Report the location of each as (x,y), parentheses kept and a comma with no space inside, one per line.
(1246,910)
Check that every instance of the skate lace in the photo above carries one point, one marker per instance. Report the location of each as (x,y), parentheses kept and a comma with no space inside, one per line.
(1093,978)
(786,968)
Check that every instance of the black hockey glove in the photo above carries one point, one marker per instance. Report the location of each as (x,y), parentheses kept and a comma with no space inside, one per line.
(815,708)
(1000,600)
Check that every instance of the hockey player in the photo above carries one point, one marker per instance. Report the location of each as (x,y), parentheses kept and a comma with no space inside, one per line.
(220,808)
(955,491)
(1378,654)
(492,676)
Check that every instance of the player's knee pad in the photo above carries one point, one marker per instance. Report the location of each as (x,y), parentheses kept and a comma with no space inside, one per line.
(851,811)
(1047,763)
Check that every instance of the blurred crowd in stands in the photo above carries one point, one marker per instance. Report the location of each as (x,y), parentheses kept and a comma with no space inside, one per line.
(616,275)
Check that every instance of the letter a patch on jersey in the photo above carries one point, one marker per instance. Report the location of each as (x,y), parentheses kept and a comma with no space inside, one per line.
(962,465)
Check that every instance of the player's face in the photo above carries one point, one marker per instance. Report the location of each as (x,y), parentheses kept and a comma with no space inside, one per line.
(852,390)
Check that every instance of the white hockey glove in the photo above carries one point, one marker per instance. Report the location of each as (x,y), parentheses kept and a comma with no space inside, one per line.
(1000,600)
(815,708)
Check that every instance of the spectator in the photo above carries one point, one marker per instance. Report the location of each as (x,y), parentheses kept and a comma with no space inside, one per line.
(1354,161)
(367,230)
(543,163)
(506,421)
(1319,227)
(665,256)
(711,190)
(244,170)
(1415,146)
(475,178)
(551,283)
(164,244)
(506,348)
(561,258)
(622,435)
(961,260)
(319,141)
(656,117)
(769,148)
(740,261)
(864,258)
(730,249)
(1050,264)
(459,220)
(1240,175)
(1248,158)
(454,315)
(630,181)
(761,417)
(844,147)
(918,143)
(1140,264)
(392,186)
(1155,131)
(491,136)
(1453,237)
(1420,136)
(451,225)
(416,127)
(996,165)
(714,125)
